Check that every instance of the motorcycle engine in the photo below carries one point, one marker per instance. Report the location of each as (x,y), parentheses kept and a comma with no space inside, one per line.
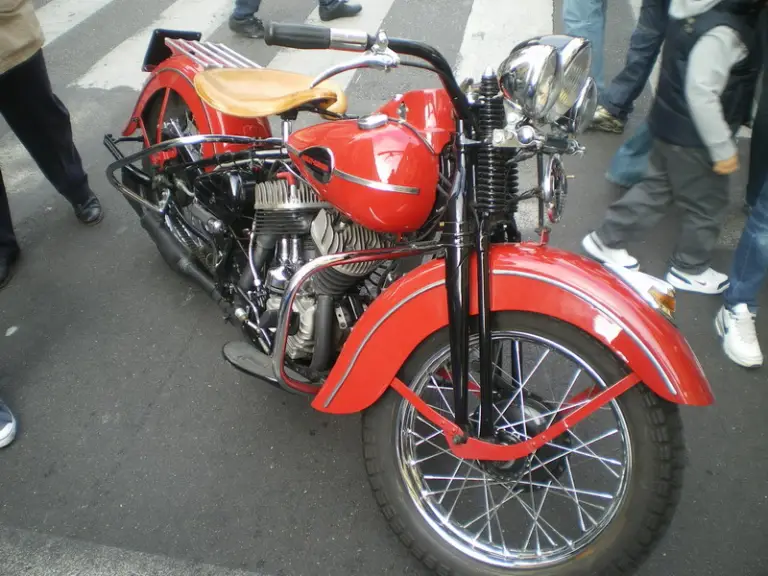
(302,228)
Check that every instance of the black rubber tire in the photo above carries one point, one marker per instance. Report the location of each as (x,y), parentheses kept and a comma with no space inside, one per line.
(656,437)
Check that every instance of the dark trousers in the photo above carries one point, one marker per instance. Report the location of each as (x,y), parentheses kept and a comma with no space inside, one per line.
(644,47)
(758,155)
(41,122)
(675,175)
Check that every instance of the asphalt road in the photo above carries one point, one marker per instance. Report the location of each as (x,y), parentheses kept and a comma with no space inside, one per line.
(141,451)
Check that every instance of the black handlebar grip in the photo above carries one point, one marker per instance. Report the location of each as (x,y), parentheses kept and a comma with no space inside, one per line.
(298,36)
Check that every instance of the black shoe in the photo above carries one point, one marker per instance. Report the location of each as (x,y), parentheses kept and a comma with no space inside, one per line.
(251,26)
(340,9)
(89,212)
(8,267)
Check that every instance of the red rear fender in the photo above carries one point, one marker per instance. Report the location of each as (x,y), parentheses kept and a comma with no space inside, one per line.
(177,74)
(529,278)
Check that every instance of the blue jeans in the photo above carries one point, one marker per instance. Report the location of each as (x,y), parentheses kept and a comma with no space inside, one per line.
(630,162)
(586,18)
(750,261)
(644,47)
(245,8)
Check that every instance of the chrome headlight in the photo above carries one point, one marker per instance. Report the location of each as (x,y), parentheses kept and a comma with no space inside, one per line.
(575,62)
(581,114)
(530,78)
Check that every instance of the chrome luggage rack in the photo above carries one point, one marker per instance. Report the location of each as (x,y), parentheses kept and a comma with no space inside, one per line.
(210,54)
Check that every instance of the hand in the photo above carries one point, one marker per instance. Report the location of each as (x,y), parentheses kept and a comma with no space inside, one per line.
(729,166)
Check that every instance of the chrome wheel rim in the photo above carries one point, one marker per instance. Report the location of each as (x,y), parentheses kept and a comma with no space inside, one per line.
(483,534)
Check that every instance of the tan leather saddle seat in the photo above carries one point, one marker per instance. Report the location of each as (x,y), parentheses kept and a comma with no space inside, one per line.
(259,92)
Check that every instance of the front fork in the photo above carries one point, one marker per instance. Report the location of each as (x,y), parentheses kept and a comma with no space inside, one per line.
(460,244)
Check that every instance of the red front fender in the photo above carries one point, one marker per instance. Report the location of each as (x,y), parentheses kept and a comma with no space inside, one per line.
(177,74)
(525,277)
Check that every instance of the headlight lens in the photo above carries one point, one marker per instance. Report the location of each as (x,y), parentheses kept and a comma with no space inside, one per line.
(530,79)
(581,114)
(576,62)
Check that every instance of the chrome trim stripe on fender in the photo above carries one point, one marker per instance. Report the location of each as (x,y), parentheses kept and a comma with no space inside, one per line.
(370,334)
(375,185)
(595,304)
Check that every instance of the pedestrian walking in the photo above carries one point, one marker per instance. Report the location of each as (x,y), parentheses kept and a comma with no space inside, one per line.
(7,425)
(705,93)
(40,121)
(617,102)
(735,321)
(244,21)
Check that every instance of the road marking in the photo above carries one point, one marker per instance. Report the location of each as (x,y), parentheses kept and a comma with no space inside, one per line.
(33,554)
(313,62)
(60,16)
(121,67)
(494,28)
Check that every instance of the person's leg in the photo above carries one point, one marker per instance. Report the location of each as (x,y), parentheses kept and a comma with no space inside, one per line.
(7,425)
(735,321)
(630,163)
(703,197)
(586,18)
(641,208)
(617,102)
(42,123)
(243,21)
(9,248)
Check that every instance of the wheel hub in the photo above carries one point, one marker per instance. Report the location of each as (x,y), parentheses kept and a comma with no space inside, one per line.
(518,422)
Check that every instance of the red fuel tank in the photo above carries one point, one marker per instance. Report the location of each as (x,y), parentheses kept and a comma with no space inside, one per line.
(375,170)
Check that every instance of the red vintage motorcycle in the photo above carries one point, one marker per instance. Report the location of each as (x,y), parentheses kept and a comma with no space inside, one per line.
(520,403)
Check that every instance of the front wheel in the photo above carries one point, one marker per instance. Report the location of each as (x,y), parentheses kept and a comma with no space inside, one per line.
(594,501)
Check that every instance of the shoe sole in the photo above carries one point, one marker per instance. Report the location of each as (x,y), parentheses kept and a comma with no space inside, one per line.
(608,129)
(681,284)
(720,329)
(95,222)
(591,248)
(8,439)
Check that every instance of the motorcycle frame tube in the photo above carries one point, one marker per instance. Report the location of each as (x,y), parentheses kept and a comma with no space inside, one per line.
(525,277)
(177,73)
(297,282)
(176,143)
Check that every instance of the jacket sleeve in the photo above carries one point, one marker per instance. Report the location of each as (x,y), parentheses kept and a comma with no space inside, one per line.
(709,66)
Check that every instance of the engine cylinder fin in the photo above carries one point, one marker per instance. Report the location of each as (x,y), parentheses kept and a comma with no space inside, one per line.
(332,237)
(285,210)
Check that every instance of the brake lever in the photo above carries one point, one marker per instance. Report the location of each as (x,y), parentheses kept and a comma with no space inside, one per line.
(383,60)
(380,57)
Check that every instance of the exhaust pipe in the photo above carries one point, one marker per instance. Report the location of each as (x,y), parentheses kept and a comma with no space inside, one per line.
(178,257)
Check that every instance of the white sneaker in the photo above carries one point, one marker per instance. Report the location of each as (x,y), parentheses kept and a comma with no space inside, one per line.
(737,329)
(708,282)
(7,425)
(599,251)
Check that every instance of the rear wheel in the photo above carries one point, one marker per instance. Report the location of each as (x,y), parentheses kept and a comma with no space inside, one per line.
(593,501)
